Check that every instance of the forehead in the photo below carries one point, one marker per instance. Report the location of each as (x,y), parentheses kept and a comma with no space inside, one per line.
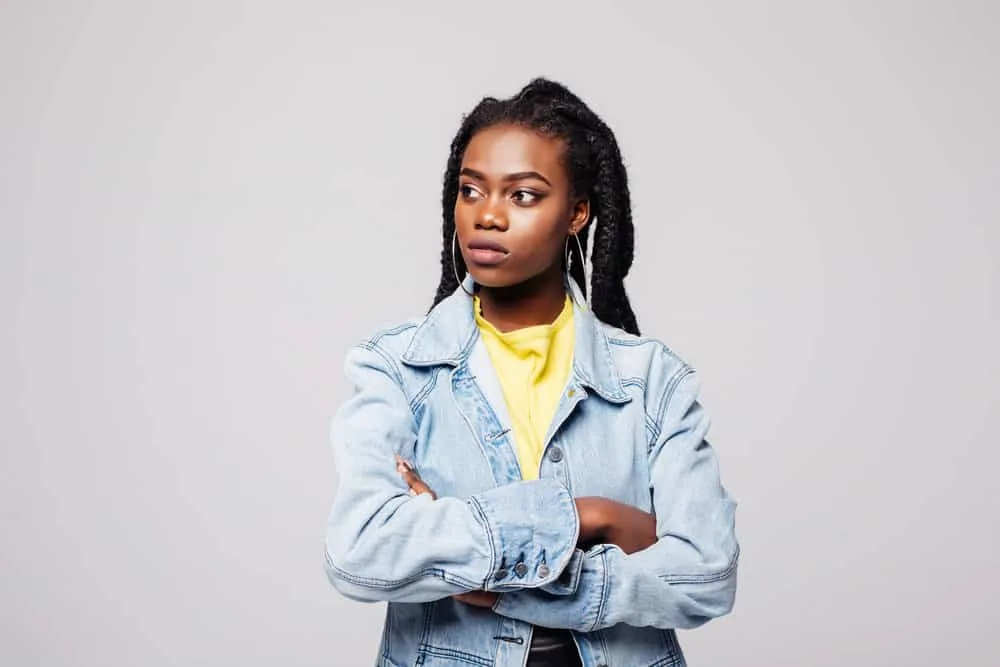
(510,149)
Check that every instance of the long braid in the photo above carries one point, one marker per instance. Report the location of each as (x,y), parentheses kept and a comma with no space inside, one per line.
(596,171)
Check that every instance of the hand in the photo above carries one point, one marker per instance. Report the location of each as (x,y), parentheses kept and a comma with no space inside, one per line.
(412,479)
(483,599)
(604,520)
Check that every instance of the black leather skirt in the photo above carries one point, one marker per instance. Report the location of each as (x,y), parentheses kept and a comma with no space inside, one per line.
(553,648)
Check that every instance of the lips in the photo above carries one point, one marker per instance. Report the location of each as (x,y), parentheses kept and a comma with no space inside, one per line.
(487,253)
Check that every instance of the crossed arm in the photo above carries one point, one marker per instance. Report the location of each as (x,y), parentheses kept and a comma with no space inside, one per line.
(583,563)
(601,520)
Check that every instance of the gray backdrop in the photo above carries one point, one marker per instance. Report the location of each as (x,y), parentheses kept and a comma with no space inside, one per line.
(204,204)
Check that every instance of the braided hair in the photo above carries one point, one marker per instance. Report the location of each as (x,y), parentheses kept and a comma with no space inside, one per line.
(596,172)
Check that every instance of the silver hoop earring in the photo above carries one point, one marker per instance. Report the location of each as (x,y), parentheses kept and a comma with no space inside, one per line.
(583,261)
(454,262)
(569,257)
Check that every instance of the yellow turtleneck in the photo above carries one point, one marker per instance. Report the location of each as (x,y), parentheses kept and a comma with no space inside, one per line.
(533,366)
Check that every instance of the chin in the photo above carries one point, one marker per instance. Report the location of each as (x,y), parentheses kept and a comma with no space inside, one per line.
(491,278)
(500,279)
(494,282)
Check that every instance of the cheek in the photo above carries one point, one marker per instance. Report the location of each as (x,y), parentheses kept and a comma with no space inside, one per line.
(543,226)
(465,215)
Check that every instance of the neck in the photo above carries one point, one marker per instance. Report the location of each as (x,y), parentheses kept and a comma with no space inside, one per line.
(538,300)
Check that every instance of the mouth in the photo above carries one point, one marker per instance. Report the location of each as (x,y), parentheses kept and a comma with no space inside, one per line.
(487,253)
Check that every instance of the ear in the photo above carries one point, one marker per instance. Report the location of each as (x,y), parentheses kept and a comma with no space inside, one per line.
(580,217)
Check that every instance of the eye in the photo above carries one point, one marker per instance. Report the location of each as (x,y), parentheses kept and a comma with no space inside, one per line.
(466,191)
(525,197)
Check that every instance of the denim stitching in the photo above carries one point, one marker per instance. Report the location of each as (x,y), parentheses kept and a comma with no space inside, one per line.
(480,513)
(425,632)
(393,368)
(423,393)
(640,341)
(386,634)
(392,331)
(468,658)
(712,577)
(674,657)
(668,394)
(603,638)
(652,429)
(502,461)
(604,588)
(373,344)
(634,382)
(387,584)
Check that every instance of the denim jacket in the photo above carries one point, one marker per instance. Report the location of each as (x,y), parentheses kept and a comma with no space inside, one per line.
(629,427)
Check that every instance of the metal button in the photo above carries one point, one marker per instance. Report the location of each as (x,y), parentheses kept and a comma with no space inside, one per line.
(520,569)
(555,454)
(501,573)
(543,570)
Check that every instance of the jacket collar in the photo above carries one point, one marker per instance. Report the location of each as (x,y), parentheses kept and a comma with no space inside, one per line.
(448,333)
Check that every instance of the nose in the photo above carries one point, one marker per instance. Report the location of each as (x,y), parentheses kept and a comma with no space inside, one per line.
(491,218)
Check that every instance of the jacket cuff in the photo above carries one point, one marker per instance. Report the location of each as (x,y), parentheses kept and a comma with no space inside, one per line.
(569,579)
(532,528)
(580,610)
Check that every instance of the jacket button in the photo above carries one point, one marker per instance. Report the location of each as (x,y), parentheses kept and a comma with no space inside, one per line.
(543,571)
(555,455)
(501,573)
(520,569)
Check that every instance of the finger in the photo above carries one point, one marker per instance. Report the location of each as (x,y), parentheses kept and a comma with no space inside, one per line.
(406,471)
(418,486)
(412,479)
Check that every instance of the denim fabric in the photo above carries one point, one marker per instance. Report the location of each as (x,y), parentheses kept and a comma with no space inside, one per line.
(629,427)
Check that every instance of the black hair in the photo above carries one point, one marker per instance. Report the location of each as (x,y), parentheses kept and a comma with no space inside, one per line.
(596,172)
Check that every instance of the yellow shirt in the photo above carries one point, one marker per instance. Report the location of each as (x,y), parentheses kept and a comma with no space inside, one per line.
(533,366)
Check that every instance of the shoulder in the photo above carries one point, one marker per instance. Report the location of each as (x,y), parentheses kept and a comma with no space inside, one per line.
(648,363)
(382,349)
(395,337)
(643,355)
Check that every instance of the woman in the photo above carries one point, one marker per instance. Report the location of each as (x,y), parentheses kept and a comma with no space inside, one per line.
(523,477)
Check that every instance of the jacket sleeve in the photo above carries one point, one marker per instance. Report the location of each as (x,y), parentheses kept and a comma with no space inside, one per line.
(384,544)
(689,576)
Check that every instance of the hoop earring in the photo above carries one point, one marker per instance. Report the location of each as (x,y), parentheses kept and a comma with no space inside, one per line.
(569,257)
(454,263)
(583,261)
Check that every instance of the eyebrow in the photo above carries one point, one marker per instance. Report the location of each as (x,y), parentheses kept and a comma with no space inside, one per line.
(519,176)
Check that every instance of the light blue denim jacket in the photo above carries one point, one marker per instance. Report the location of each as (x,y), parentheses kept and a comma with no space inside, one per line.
(629,427)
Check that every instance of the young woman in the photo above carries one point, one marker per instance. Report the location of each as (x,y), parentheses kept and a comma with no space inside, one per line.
(523,477)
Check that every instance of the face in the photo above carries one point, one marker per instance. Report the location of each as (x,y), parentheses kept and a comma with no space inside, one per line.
(514,208)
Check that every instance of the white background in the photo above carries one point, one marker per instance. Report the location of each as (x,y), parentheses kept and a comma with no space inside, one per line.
(203,204)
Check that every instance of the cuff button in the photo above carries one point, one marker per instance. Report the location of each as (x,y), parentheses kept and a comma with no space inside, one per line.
(501,573)
(520,569)
(543,571)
